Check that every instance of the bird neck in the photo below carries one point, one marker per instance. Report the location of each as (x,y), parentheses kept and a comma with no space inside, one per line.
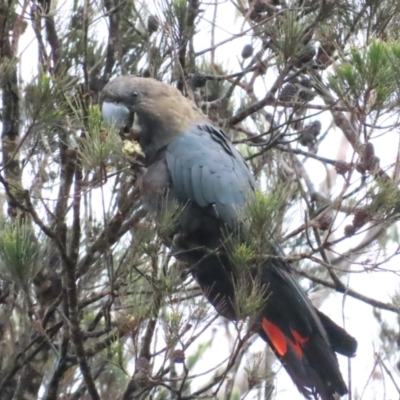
(155,134)
(159,128)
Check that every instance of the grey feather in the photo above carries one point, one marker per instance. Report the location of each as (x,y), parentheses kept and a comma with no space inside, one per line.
(187,181)
(206,178)
(177,175)
(197,188)
(209,166)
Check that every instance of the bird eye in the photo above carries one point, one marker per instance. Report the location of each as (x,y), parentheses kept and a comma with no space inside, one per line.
(135,94)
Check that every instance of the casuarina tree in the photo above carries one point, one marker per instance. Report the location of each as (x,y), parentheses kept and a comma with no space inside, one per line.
(110,259)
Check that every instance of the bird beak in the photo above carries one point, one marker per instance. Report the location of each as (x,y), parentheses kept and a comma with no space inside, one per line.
(116,114)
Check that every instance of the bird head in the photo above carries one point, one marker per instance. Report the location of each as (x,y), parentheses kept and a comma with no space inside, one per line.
(160,110)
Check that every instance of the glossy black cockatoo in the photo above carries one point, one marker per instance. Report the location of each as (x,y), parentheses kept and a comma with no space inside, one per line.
(190,161)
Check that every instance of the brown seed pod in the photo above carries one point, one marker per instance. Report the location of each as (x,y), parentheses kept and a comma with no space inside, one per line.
(369,158)
(349,230)
(178,356)
(314,128)
(309,133)
(141,379)
(142,365)
(142,371)
(361,218)
(324,222)
(306,138)
(361,167)
(342,167)
(288,92)
(305,92)
(199,80)
(152,24)
(247,51)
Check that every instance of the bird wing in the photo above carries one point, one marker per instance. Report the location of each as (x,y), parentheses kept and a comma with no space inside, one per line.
(207,170)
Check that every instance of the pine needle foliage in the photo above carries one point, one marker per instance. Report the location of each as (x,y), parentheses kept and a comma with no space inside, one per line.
(20,254)
(289,37)
(98,143)
(44,100)
(263,210)
(250,297)
(369,75)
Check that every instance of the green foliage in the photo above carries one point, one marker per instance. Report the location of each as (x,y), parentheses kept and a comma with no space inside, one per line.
(236,395)
(214,90)
(137,298)
(168,282)
(262,211)
(290,37)
(20,253)
(250,296)
(170,213)
(368,77)
(79,49)
(146,244)
(44,101)
(98,143)
(179,10)
(174,322)
(6,69)
(242,255)
(385,198)
(257,371)
(137,307)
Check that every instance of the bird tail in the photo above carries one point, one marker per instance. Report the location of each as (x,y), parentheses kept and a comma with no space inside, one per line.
(340,341)
(311,361)
(303,339)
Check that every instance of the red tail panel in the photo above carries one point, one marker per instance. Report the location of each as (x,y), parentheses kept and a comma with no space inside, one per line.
(280,341)
(276,336)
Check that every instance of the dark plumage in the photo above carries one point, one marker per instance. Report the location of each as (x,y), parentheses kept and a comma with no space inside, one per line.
(191,162)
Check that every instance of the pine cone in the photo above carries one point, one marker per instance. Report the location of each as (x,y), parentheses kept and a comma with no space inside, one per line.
(306,138)
(142,370)
(342,167)
(369,159)
(327,8)
(297,90)
(142,365)
(361,167)
(262,67)
(152,24)
(325,52)
(306,94)
(349,230)
(305,82)
(324,222)
(309,133)
(306,57)
(322,58)
(361,218)
(314,128)
(259,6)
(178,356)
(247,51)
(141,379)
(199,80)
(288,92)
